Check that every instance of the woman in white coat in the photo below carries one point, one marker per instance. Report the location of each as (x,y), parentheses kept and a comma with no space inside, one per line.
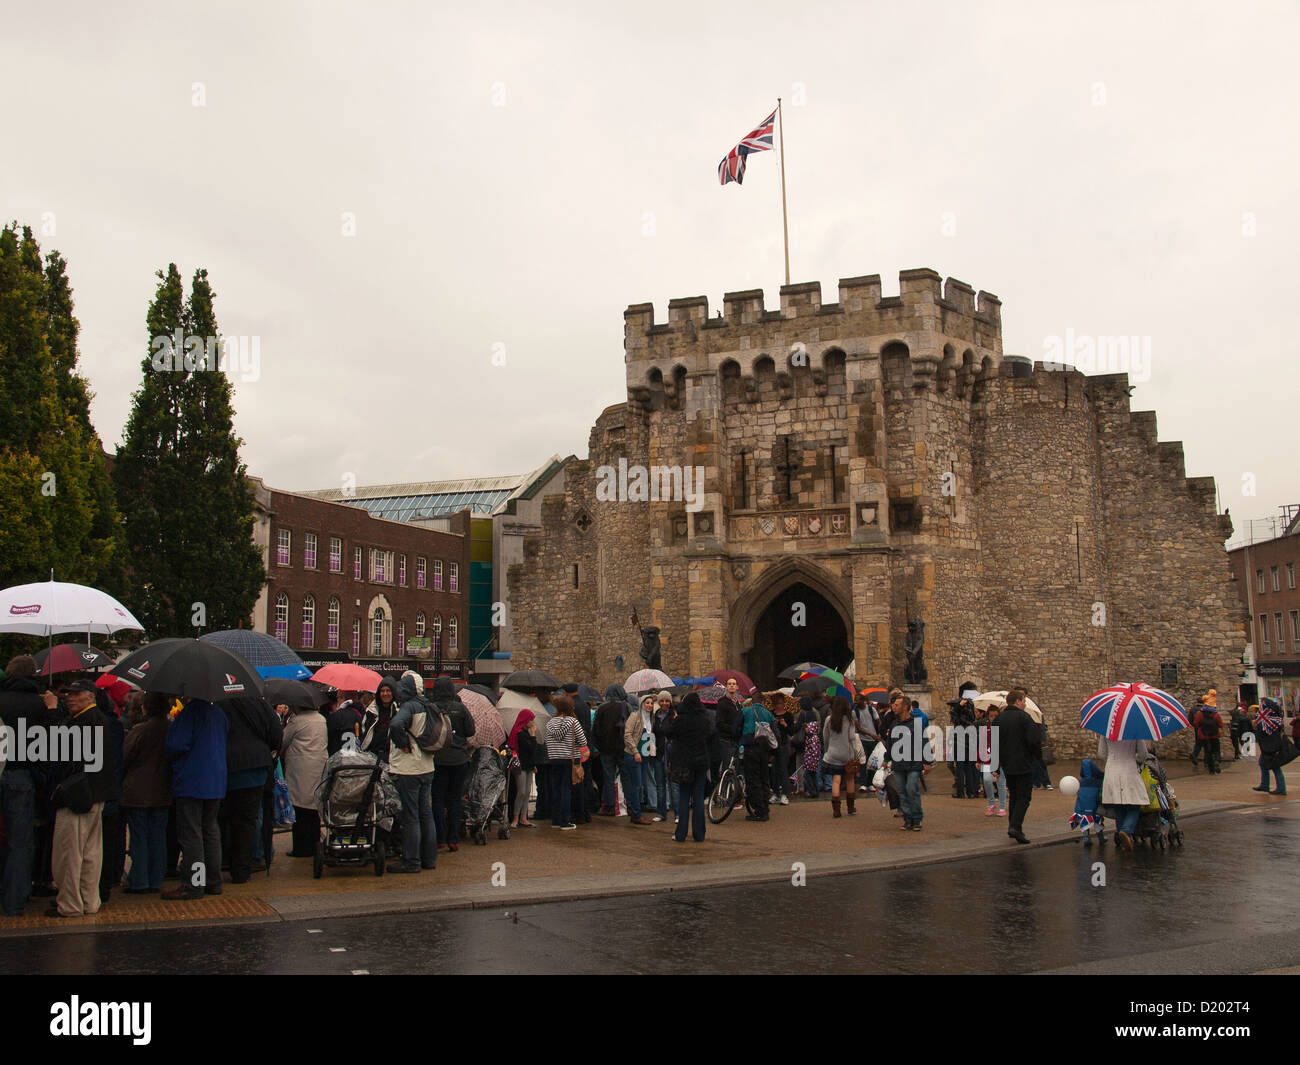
(1122,787)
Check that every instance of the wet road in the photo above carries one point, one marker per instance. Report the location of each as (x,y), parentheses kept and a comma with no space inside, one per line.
(1025,911)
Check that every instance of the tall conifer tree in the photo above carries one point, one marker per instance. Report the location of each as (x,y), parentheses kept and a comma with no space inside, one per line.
(59,509)
(184,493)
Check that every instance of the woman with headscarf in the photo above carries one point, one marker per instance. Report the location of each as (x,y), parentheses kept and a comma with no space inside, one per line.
(531,754)
(1268,727)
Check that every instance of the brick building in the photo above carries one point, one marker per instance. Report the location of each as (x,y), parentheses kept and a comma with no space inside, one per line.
(345,586)
(1265,578)
(867,462)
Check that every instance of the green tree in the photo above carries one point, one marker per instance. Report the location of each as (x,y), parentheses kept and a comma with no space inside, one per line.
(183,491)
(59,507)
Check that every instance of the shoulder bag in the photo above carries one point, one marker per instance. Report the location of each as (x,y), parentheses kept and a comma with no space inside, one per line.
(576,771)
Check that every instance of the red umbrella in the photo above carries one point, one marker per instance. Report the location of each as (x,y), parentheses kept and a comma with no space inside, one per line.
(347,677)
(70,658)
(747,686)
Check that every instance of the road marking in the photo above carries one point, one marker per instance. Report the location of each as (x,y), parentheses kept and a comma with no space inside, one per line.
(360,972)
(315,931)
(338,950)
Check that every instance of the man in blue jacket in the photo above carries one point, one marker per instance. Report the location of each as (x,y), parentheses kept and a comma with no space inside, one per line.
(196,744)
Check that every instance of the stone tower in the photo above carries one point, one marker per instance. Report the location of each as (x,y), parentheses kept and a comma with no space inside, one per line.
(864,462)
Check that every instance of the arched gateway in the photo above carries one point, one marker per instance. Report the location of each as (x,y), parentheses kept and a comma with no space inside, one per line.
(794,612)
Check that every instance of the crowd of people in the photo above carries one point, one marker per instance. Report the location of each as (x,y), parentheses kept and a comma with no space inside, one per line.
(190,788)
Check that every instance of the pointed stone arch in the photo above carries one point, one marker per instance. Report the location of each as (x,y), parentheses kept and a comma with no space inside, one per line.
(754,601)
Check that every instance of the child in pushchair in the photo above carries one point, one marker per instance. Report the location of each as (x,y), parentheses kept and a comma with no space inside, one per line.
(357,802)
(1158,822)
(1087,810)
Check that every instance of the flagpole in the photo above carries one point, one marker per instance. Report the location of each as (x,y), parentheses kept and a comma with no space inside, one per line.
(785,225)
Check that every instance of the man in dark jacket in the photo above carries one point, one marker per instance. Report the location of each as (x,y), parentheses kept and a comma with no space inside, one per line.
(607,731)
(87,773)
(452,763)
(255,733)
(345,721)
(688,728)
(1018,748)
(21,708)
(909,756)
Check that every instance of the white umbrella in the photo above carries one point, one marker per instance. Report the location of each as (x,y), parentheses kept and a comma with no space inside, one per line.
(53,606)
(999,699)
(647,680)
(511,702)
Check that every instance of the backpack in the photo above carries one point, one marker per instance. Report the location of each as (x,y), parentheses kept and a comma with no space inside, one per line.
(1209,725)
(436,734)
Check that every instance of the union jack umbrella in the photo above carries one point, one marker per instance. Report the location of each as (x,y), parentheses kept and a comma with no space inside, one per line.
(1133,712)
(732,168)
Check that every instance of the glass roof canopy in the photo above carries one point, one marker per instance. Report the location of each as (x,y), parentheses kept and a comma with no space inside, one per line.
(414,507)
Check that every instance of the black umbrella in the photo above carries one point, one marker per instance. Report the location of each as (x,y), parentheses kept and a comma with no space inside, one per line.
(191,669)
(484,691)
(531,680)
(586,691)
(803,667)
(813,685)
(293,693)
(70,658)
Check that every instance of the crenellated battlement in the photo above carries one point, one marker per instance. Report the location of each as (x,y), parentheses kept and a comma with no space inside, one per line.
(946,327)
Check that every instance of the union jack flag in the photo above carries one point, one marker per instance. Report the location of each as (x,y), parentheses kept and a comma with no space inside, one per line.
(732,168)
(1133,712)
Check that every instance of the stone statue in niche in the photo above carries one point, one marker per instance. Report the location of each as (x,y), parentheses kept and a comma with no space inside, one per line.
(913,647)
(650,650)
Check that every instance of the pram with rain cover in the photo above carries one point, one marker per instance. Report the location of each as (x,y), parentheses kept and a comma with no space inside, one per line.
(1158,822)
(1087,810)
(487,795)
(357,802)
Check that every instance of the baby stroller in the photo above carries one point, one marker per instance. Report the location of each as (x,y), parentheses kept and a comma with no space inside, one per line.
(357,803)
(1158,822)
(1087,809)
(488,793)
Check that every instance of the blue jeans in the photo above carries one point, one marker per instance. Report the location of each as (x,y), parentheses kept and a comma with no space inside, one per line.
(419,835)
(1279,783)
(1001,779)
(656,790)
(259,845)
(1127,820)
(561,792)
(148,828)
(690,800)
(632,785)
(18,793)
(812,783)
(909,795)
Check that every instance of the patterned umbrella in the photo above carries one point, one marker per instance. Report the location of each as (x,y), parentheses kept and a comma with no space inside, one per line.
(795,671)
(712,694)
(1133,712)
(258,648)
(837,686)
(647,680)
(488,729)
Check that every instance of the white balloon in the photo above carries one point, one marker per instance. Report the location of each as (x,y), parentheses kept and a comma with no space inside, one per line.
(1069,785)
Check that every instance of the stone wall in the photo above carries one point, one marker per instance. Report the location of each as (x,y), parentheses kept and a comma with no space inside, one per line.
(1033,523)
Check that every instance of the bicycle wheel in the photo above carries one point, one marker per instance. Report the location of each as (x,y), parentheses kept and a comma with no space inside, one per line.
(723,797)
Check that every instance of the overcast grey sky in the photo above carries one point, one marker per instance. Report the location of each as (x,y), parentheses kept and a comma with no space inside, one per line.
(520,172)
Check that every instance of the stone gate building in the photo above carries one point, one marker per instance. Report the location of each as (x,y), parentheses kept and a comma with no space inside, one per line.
(864,462)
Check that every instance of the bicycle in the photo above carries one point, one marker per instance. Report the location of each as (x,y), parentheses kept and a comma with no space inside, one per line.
(729,790)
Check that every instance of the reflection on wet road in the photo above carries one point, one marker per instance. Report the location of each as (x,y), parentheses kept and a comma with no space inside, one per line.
(1018,912)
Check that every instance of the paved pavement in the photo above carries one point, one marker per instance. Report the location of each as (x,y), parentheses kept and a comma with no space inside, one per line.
(609,857)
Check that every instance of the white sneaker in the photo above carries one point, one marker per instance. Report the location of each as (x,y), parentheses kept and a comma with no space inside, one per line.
(568,828)
(785,800)
(656,819)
